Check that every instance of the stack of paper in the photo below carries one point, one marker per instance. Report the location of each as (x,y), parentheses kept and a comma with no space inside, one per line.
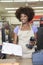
(9,48)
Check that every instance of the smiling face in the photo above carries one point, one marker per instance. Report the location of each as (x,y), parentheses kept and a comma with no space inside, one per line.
(24,18)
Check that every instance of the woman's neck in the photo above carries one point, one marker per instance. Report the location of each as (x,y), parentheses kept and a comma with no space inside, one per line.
(26,26)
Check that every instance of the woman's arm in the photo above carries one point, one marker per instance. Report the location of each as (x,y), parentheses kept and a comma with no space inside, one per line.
(35,30)
(15,38)
(35,35)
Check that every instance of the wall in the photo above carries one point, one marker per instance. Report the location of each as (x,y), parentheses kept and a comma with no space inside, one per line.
(11,18)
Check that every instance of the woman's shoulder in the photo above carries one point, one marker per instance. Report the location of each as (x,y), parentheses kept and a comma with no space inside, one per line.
(35,29)
(16,29)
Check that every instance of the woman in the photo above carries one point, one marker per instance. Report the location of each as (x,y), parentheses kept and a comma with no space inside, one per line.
(23,33)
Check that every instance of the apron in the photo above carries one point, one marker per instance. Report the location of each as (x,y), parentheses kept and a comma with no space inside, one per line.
(23,39)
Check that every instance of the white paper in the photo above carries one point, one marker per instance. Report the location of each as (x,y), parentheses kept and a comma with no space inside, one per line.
(9,48)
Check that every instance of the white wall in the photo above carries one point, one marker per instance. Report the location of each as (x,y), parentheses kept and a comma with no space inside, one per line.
(11,18)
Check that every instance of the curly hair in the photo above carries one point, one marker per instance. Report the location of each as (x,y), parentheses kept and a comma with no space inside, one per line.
(25,10)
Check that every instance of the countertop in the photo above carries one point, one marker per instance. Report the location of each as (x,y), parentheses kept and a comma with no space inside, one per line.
(20,61)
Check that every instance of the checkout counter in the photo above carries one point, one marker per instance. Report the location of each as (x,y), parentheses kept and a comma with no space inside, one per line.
(15,62)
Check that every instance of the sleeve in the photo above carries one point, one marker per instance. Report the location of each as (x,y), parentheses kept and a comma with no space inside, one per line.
(16,29)
(35,29)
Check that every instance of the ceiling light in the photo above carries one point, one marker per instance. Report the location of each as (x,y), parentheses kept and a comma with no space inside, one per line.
(10,8)
(20,0)
(6,1)
(37,7)
(38,10)
(32,0)
(11,11)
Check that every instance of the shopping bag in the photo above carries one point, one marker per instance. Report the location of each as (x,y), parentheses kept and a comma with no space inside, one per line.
(37,58)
